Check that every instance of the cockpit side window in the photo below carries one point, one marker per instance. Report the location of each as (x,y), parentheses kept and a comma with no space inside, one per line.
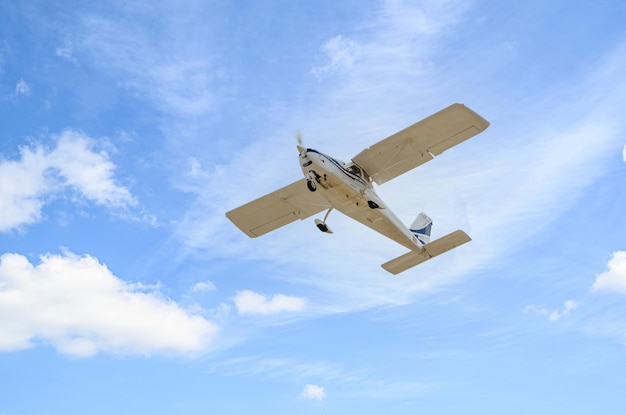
(354,169)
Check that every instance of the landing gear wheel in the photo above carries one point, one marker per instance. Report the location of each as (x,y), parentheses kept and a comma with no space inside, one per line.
(322,227)
(311,186)
(372,205)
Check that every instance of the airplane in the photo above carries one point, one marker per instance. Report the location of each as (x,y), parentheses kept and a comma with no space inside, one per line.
(330,184)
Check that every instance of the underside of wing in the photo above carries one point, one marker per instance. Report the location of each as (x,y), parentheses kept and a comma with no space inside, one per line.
(420,142)
(277,209)
(376,220)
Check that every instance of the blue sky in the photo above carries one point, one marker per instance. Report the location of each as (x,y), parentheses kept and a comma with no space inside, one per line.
(130,128)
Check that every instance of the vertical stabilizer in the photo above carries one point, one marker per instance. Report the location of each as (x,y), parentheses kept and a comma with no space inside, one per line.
(421,228)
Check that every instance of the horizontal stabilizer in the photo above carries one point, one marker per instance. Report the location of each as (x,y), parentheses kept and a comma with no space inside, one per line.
(428,251)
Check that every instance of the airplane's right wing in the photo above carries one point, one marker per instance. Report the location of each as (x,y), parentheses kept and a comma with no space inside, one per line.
(420,142)
(277,209)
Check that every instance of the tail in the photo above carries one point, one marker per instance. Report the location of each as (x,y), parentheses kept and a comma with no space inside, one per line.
(421,227)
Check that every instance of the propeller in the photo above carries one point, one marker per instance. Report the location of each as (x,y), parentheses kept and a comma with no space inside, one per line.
(299,139)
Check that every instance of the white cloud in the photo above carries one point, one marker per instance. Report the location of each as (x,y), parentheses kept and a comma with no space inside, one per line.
(614,278)
(249,302)
(203,286)
(195,169)
(568,307)
(535,309)
(78,306)
(624,154)
(313,393)
(341,53)
(395,44)
(22,88)
(87,171)
(72,163)
(66,52)
(21,200)
(176,75)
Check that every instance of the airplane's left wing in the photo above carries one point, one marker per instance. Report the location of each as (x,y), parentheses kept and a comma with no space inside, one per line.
(277,209)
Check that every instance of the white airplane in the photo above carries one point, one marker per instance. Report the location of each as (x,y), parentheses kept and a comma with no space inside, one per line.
(348,187)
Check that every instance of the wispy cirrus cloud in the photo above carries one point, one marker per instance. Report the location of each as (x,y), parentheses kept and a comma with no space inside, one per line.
(504,186)
(357,384)
(77,305)
(554,315)
(340,55)
(400,34)
(66,52)
(148,55)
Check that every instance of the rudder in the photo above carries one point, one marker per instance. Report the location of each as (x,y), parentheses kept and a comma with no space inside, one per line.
(421,227)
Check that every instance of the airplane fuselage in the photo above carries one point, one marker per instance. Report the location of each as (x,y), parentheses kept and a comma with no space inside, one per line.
(348,189)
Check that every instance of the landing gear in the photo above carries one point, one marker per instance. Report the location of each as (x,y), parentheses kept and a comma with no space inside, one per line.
(321,224)
(372,205)
(311,179)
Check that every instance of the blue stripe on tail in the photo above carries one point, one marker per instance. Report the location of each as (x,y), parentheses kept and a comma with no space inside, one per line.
(421,227)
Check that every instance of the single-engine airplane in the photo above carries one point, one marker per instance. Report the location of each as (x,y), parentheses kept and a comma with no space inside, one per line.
(348,187)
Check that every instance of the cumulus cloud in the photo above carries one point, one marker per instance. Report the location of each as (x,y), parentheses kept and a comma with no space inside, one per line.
(203,286)
(568,307)
(313,393)
(614,278)
(249,302)
(22,88)
(73,163)
(87,171)
(78,306)
(21,200)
